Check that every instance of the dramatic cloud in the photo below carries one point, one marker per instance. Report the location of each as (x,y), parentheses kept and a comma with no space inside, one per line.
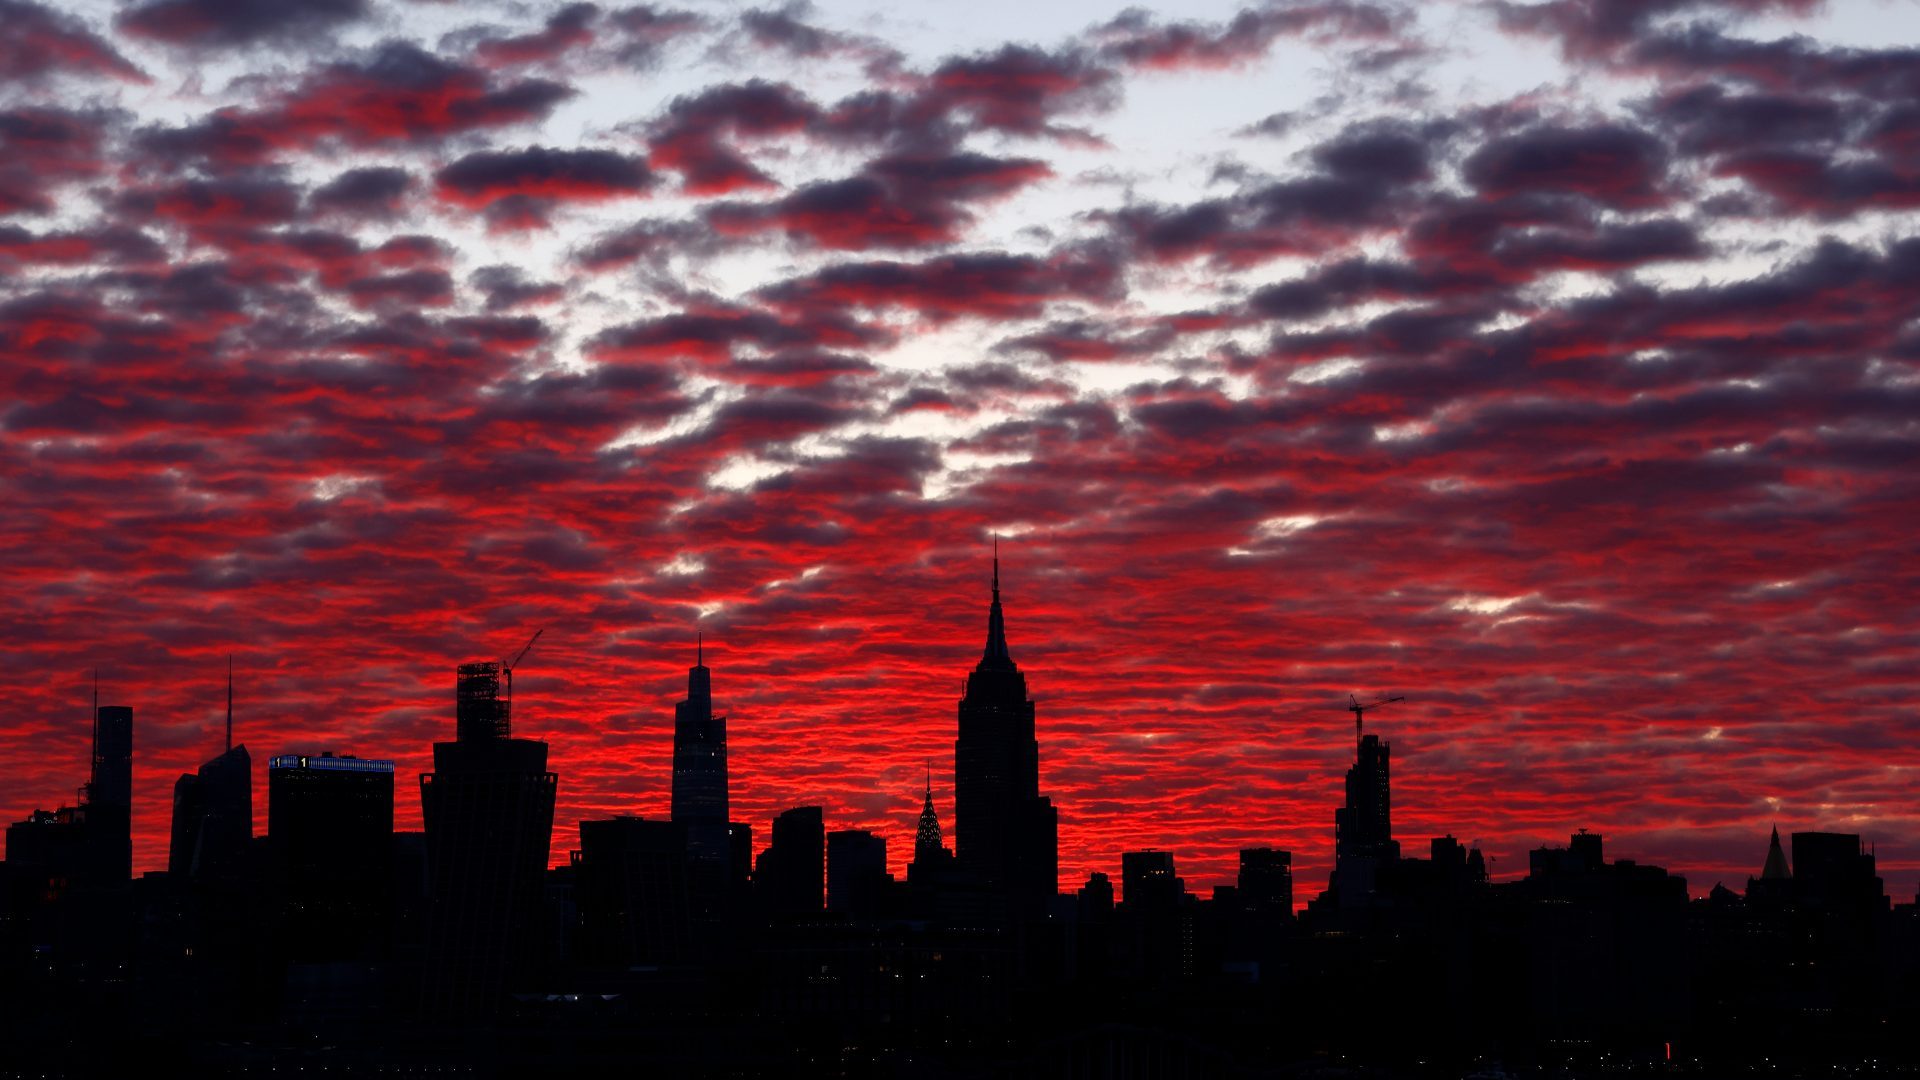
(1553,365)
(895,202)
(1136,39)
(41,42)
(236,22)
(398,93)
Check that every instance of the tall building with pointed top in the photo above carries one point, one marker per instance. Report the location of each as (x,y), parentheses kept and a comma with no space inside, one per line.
(928,844)
(1776,865)
(213,810)
(1775,883)
(700,767)
(1005,831)
(932,868)
(212,815)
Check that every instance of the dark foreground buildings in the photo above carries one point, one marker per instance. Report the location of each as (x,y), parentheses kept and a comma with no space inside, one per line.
(663,947)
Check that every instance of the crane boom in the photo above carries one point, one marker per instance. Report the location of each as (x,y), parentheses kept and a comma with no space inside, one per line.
(517,657)
(1359,711)
(524,649)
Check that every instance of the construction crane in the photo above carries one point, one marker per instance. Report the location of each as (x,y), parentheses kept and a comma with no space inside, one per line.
(1359,711)
(509,665)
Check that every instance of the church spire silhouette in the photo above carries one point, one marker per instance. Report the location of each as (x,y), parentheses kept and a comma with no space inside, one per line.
(1776,866)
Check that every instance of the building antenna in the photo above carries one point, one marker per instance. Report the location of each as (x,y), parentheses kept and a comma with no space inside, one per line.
(229,702)
(699,649)
(94,753)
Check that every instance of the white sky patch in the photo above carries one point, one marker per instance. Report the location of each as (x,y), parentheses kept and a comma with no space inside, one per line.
(1406,431)
(1891,375)
(933,424)
(338,485)
(1486,605)
(805,575)
(1286,525)
(683,424)
(1324,370)
(1112,376)
(742,471)
(684,564)
(962,469)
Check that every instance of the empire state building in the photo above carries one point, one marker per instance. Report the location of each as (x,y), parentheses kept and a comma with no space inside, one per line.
(1005,832)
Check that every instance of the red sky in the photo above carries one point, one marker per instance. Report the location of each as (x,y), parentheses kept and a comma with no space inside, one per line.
(1552,365)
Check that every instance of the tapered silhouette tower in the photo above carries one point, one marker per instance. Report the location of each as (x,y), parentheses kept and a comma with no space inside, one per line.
(700,767)
(1005,831)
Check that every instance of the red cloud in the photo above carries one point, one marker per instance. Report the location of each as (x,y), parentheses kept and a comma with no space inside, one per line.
(895,202)
(538,177)
(985,285)
(41,42)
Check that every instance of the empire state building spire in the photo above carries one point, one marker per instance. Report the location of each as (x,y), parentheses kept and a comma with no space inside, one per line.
(996,657)
(1006,834)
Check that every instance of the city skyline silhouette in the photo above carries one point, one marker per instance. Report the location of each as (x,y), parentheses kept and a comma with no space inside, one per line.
(974,540)
(1304,837)
(335,928)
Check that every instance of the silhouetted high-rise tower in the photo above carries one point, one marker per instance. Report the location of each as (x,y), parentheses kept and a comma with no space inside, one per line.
(1005,832)
(109,797)
(330,831)
(1363,828)
(488,811)
(213,810)
(700,768)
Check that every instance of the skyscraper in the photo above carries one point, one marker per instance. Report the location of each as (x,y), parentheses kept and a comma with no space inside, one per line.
(631,886)
(857,881)
(700,768)
(929,847)
(488,811)
(1363,828)
(213,810)
(212,815)
(1266,880)
(790,872)
(109,801)
(1005,832)
(330,830)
